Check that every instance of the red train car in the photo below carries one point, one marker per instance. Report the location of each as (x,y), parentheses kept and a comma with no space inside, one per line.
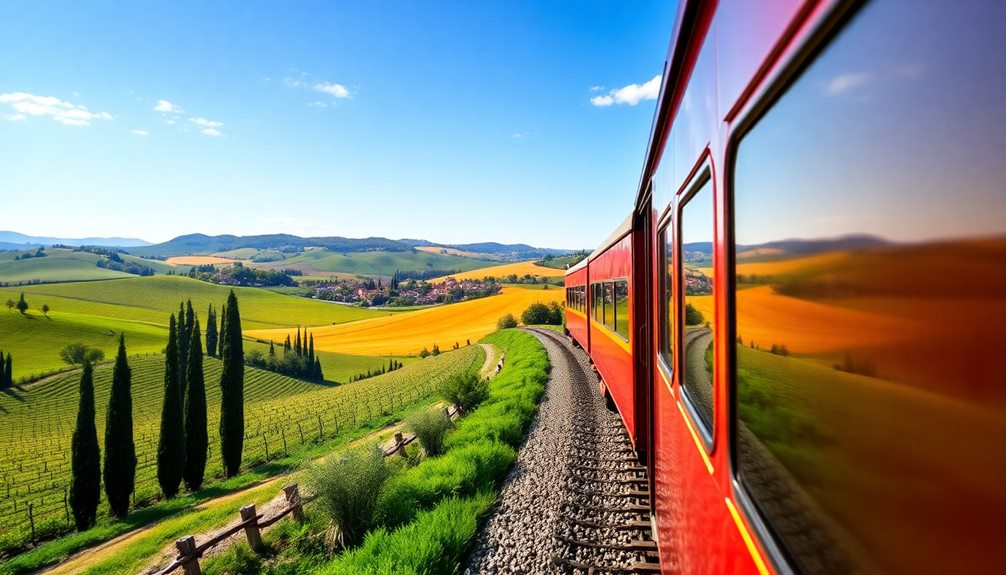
(576,304)
(813,367)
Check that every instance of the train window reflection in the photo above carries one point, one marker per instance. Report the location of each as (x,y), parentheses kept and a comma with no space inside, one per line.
(609,305)
(697,279)
(870,267)
(666,305)
(622,308)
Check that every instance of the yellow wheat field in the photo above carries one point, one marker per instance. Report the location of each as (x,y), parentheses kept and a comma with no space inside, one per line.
(454,252)
(519,269)
(409,332)
(198,260)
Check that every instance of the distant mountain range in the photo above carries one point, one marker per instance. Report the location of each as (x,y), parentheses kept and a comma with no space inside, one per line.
(16,241)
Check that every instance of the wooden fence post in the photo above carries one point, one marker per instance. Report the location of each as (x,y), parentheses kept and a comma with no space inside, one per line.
(251,528)
(292,493)
(187,548)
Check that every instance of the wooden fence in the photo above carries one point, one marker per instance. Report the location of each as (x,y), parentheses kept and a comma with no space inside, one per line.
(252,523)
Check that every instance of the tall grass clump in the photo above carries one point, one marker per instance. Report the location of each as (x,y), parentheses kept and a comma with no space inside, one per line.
(465,390)
(430,426)
(433,544)
(347,489)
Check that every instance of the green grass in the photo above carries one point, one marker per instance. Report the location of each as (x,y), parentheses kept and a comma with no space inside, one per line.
(318,262)
(282,415)
(35,341)
(339,367)
(57,266)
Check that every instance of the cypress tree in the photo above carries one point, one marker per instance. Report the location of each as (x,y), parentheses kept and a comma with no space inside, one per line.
(85,485)
(171,444)
(3,372)
(222,336)
(296,345)
(310,353)
(286,344)
(120,452)
(183,348)
(232,390)
(211,332)
(8,370)
(318,375)
(196,440)
(272,350)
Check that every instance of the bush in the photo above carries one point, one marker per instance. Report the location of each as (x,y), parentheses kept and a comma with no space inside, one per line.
(507,321)
(556,314)
(347,489)
(78,353)
(430,426)
(693,316)
(465,390)
(536,314)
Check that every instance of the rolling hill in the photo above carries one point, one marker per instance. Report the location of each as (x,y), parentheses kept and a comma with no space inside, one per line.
(520,269)
(322,262)
(64,265)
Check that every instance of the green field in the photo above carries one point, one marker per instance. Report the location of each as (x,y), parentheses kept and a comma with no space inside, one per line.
(319,262)
(338,367)
(62,265)
(279,411)
(94,312)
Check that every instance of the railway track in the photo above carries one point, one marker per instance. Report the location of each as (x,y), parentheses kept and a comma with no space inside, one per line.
(577,501)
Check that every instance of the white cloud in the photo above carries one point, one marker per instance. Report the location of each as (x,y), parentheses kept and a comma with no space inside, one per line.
(631,94)
(167,107)
(171,122)
(844,82)
(204,123)
(25,104)
(597,88)
(293,82)
(140,132)
(318,104)
(211,132)
(334,90)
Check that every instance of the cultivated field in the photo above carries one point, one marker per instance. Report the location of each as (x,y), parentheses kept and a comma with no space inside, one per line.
(456,252)
(519,269)
(63,265)
(199,260)
(281,414)
(408,333)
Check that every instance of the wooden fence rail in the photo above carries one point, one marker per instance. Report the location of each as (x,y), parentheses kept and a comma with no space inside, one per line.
(252,522)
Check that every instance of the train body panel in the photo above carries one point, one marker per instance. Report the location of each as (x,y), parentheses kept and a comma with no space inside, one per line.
(576,305)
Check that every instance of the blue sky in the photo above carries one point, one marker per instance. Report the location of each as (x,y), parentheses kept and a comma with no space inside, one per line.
(455,122)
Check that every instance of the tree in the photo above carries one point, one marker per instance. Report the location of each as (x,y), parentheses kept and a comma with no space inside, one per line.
(120,451)
(464,390)
(424,353)
(436,349)
(536,314)
(693,316)
(183,348)
(8,371)
(196,440)
(211,332)
(310,352)
(555,314)
(222,336)
(297,345)
(45,309)
(171,443)
(22,306)
(506,321)
(232,424)
(78,353)
(10,304)
(85,456)
(319,375)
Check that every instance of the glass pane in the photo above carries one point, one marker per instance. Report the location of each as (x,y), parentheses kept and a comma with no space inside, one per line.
(622,308)
(870,208)
(667,310)
(609,307)
(697,268)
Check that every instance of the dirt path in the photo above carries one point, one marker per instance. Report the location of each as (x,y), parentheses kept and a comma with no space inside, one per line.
(488,369)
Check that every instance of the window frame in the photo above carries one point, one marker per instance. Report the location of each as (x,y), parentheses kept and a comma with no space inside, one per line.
(695,184)
(665,307)
(821,32)
(614,304)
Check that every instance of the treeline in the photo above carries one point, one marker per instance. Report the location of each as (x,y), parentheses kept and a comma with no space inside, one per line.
(393,364)
(113,261)
(240,275)
(183,442)
(296,360)
(401,275)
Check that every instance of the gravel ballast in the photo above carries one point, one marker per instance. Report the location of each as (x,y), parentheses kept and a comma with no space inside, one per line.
(566,499)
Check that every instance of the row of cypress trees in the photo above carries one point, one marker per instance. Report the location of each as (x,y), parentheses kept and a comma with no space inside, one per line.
(6,371)
(183,442)
(120,451)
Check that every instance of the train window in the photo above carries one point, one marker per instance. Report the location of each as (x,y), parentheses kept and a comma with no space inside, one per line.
(622,308)
(609,307)
(666,306)
(697,278)
(869,208)
(598,302)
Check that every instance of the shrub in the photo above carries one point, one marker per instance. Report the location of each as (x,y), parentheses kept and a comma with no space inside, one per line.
(536,314)
(78,353)
(693,316)
(507,321)
(465,390)
(347,489)
(430,426)
(556,315)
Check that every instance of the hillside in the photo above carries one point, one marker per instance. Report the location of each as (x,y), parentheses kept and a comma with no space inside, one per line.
(520,269)
(201,244)
(408,333)
(322,262)
(64,265)
(21,241)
